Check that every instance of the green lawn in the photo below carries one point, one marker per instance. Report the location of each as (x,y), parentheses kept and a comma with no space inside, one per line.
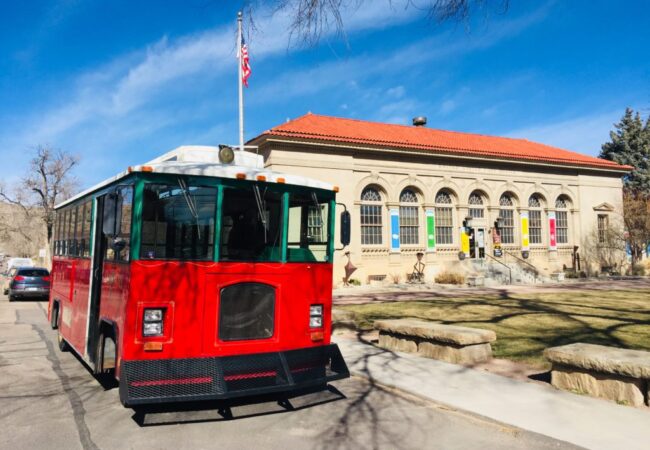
(526,324)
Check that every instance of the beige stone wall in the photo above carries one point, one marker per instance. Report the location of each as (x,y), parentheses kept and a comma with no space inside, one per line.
(352,169)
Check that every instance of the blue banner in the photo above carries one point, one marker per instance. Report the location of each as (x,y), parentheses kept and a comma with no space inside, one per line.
(394,230)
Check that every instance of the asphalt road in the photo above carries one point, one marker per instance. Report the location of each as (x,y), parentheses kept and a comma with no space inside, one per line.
(48,399)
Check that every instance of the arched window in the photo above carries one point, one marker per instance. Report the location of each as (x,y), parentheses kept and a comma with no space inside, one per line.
(562,220)
(507,215)
(371,217)
(476,209)
(444,219)
(535,219)
(408,218)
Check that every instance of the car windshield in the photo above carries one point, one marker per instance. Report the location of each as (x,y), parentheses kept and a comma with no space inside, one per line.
(33,272)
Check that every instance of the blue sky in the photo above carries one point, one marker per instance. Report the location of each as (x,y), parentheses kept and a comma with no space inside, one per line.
(120,82)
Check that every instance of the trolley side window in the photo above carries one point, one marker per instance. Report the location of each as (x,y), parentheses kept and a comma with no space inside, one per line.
(251,225)
(178,221)
(308,233)
(119,247)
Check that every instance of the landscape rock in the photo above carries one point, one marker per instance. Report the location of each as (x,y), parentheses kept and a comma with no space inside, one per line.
(599,358)
(436,332)
(627,391)
(397,343)
(467,355)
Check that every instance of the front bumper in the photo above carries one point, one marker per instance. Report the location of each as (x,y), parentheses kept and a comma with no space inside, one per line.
(175,380)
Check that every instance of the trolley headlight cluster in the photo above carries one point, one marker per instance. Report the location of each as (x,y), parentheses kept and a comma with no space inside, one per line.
(152,322)
(316,316)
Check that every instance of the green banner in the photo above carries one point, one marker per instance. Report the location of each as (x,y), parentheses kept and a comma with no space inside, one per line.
(431,230)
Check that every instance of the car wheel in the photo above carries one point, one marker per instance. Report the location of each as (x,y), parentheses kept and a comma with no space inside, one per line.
(63,344)
(11,298)
(6,291)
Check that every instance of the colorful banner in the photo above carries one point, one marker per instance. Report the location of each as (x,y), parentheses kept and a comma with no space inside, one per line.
(496,243)
(431,230)
(552,241)
(394,230)
(525,237)
(464,241)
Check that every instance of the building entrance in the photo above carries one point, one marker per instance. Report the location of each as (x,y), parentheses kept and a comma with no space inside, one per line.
(477,243)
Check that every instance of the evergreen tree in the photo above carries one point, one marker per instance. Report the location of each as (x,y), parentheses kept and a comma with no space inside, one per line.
(630,145)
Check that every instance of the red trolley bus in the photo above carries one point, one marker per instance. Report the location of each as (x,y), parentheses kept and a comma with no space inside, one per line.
(199,275)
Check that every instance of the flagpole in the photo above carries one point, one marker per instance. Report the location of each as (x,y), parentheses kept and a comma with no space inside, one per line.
(241,87)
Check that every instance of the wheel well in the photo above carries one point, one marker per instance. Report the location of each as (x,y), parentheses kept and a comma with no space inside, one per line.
(106,330)
(54,315)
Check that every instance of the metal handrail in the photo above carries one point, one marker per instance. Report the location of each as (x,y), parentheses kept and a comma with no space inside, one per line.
(503,264)
(535,271)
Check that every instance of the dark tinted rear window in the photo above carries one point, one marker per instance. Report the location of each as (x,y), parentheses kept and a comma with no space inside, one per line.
(33,272)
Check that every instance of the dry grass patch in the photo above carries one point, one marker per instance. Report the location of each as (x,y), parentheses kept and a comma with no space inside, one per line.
(526,324)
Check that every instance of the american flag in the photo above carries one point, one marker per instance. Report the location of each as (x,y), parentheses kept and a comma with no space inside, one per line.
(245,63)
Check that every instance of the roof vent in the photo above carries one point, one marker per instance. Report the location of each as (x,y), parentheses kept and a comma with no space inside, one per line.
(419,121)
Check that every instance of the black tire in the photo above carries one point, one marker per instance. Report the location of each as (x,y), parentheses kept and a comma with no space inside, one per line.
(63,344)
(11,298)
(6,291)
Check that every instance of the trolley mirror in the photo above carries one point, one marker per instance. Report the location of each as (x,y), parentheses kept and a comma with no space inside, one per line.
(345,228)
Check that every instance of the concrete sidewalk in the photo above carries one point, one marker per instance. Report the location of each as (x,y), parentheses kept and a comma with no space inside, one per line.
(579,420)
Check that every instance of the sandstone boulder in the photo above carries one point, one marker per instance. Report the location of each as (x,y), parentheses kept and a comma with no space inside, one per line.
(451,334)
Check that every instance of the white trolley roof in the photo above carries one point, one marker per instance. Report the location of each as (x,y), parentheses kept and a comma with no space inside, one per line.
(203,160)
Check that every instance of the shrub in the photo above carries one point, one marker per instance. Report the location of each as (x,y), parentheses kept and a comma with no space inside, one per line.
(638,270)
(354,282)
(450,278)
(396,278)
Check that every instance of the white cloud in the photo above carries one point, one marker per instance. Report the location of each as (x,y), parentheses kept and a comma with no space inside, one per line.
(583,134)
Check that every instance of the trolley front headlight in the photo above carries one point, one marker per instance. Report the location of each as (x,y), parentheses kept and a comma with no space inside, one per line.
(152,322)
(316,316)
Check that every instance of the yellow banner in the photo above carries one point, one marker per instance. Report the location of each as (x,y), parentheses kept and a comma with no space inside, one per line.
(464,241)
(525,237)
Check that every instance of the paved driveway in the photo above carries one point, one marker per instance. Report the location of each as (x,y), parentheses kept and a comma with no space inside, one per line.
(50,400)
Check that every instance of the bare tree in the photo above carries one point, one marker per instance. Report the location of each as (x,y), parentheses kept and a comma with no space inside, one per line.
(47,182)
(603,250)
(636,205)
(310,19)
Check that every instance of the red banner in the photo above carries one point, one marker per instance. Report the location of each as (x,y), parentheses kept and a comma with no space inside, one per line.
(551,230)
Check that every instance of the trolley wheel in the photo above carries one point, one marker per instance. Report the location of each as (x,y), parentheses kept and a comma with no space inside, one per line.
(63,344)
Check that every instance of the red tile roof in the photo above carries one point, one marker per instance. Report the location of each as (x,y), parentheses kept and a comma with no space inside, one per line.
(352,131)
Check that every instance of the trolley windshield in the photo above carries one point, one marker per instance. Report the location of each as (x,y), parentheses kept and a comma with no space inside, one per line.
(190,220)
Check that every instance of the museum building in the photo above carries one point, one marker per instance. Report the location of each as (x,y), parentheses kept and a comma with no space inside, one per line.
(451,201)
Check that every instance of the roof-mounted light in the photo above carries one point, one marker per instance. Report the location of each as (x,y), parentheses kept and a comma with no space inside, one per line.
(226,154)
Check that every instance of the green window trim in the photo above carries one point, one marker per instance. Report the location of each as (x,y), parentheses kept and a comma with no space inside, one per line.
(285,227)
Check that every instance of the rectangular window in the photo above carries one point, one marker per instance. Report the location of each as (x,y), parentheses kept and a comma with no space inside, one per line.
(308,228)
(408,225)
(371,224)
(444,226)
(535,226)
(66,231)
(74,233)
(123,252)
(603,225)
(562,227)
(57,233)
(87,223)
(177,221)
(251,224)
(507,226)
(476,213)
